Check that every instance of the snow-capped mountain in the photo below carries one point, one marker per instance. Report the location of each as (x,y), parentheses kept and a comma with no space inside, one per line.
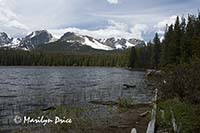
(35,39)
(71,37)
(121,43)
(102,44)
(43,37)
(4,39)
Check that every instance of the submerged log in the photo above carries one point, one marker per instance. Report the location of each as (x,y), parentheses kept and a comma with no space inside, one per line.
(129,86)
(104,102)
(49,108)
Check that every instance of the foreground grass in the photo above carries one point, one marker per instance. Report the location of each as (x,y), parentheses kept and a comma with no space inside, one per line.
(118,115)
(77,115)
(187,116)
(79,120)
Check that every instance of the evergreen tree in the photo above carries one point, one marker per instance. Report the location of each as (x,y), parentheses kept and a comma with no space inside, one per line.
(149,54)
(177,42)
(132,58)
(156,51)
(187,47)
(165,59)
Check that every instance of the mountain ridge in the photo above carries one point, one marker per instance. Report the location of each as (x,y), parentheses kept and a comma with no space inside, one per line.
(42,37)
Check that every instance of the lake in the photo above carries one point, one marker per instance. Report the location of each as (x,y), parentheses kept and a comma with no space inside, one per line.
(25,89)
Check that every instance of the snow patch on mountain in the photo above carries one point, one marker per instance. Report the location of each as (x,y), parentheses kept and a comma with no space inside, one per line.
(118,46)
(53,39)
(128,44)
(95,44)
(16,42)
(33,34)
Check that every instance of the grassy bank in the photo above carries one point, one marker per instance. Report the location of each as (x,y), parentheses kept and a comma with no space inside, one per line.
(187,116)
(179,96)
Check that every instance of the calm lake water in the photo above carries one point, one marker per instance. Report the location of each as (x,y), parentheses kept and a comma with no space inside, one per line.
(25,89)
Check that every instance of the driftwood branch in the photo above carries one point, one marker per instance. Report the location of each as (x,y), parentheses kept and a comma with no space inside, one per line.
(152,123)
(173,118)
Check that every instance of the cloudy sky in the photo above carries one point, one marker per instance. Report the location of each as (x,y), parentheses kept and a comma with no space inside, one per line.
(99,18)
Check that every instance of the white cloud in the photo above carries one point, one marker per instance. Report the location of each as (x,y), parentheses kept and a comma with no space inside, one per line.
(113,1)
(115,29)
(138,30)
(37,14)
(161,26)
(20,16)
(168,21)
(10,22)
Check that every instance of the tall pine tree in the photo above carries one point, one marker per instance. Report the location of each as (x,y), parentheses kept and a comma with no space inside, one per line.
(132,58)
(156,51)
